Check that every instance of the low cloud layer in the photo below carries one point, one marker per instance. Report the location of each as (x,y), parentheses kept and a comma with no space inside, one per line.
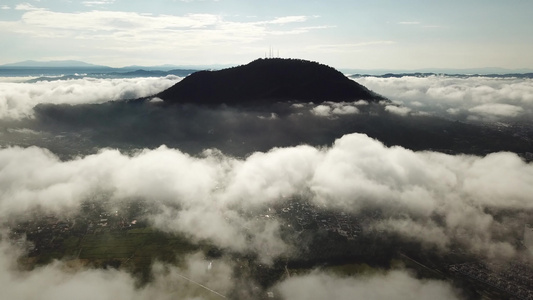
(497,110)
(75,117)
(306,151)
(475,98)
(394,285)
(398,110)
(199,278)
(17,100)
(436,199)
(331,109)
(63,280)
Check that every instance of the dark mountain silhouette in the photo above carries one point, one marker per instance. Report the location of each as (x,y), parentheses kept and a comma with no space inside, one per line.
(268,80)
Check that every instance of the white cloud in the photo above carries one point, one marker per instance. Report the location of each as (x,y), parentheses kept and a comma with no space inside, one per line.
(96,3)
(110,22)
(26,6)
(393,285)
(398,110)
(17,100)
(202,196)
(156,100)
(110,31)
(356,173)
(409,23)
(288,19)
(5,7)
(17,79)
(330,109)
(197,0)
(194,280)
(60,280)
(493,98)
(321,111)
(497,109)
(360,102)
(345,110)
(346,47)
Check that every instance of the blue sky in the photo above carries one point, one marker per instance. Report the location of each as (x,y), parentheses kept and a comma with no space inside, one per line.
(369,34)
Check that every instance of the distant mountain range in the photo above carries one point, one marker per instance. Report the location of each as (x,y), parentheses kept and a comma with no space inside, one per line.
(52,64)
(83,65)
(73,69)
(468,71)
(168,67)
(421,75)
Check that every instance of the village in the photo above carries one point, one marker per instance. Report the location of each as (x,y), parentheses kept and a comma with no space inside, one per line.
(44,233)
(301,215)
(515,279)
(117,232)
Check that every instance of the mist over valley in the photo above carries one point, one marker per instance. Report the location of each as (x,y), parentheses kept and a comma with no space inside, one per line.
(121,183)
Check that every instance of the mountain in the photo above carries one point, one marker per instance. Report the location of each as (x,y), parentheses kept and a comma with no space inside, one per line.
(265,80)
(53,64)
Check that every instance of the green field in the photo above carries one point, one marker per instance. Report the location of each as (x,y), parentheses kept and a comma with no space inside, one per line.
(132,248)
(143,242)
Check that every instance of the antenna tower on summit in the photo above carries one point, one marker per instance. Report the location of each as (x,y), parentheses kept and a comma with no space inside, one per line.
(271,53)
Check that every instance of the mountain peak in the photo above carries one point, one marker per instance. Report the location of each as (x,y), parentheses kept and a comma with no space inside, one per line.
(272,79)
